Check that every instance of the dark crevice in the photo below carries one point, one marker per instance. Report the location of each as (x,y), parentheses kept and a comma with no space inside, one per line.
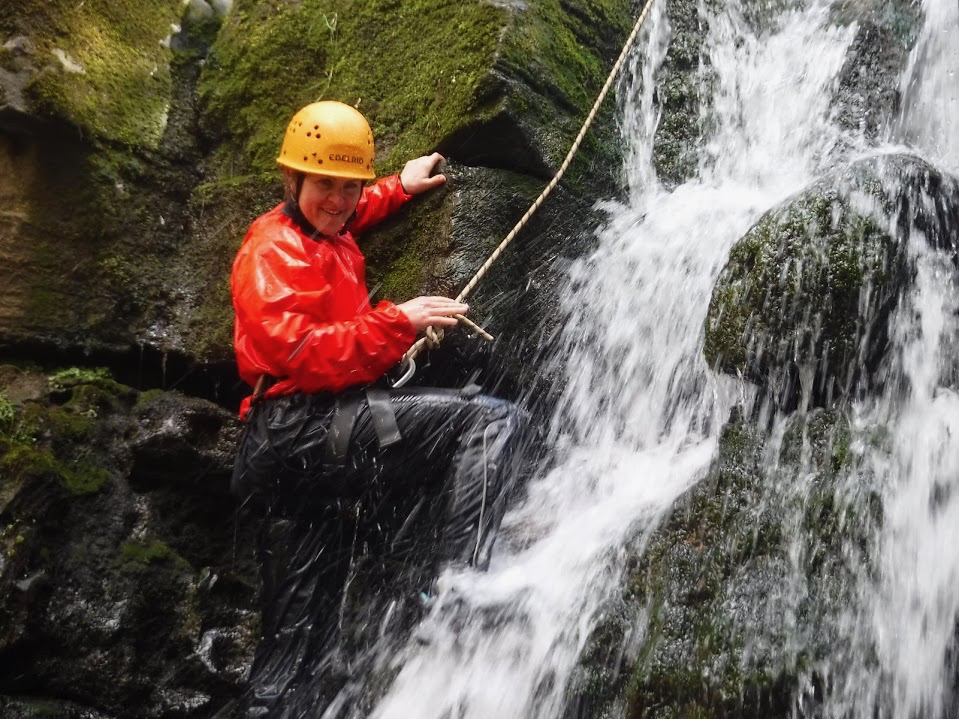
(143,368)
(497,144)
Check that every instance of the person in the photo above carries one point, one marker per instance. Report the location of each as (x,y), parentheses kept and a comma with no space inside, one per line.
(329,450)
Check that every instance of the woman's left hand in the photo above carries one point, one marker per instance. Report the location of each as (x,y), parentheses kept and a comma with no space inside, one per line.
(416,174)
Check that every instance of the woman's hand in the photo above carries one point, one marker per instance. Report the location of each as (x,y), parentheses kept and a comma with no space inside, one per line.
(415,176)
(426,312)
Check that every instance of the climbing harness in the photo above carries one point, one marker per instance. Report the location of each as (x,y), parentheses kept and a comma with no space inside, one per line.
(433,337)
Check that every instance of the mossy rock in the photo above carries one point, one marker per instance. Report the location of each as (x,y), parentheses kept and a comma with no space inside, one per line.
(128,194)
(868,98)
(745,586)
(49,449)
(532,69)
(679,94)
(97,166)
(99,597)
(802,306)
(138,557)
(102,66)
(503,86)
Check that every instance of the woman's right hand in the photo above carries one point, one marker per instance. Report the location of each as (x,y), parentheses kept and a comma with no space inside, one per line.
(426,312)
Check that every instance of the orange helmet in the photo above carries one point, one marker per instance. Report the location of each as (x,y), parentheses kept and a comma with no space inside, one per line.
(329,138)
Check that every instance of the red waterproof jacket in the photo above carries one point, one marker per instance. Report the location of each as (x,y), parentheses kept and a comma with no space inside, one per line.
(303,312)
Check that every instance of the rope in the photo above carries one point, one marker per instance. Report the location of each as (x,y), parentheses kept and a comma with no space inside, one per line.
(421,343)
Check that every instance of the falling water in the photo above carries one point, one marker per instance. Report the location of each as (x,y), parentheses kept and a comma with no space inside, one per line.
(638,421)
(930,87)
(910,610)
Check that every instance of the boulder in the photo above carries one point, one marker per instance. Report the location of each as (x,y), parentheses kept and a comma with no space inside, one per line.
(802,306)
(739,598)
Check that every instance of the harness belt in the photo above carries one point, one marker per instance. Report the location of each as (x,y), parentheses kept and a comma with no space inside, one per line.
(384,420)
(347,409)
(341,428)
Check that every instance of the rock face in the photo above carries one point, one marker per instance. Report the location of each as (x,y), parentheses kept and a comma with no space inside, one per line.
(738,605)
(736,614)
(125,576)
(739,602)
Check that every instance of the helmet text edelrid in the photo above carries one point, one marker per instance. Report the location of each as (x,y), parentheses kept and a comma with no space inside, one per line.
(347,158)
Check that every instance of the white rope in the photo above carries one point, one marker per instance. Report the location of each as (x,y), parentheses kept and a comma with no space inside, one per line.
(413,351)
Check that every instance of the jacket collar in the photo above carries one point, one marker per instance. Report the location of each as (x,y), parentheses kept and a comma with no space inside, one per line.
(292,210)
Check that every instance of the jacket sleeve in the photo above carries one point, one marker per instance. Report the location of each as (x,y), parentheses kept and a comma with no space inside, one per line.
(290,328)
(378,202)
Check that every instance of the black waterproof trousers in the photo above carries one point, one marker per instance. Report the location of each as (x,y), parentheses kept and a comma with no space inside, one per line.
(344,477)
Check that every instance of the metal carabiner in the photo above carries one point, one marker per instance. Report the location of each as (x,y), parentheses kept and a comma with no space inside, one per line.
(408,374)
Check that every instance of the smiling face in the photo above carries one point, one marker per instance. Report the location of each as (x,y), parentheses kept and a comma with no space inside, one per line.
(328,202)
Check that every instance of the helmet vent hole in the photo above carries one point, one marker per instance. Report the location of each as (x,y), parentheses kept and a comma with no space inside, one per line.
(316,127)
(305,158)
(309,134)
(319,161)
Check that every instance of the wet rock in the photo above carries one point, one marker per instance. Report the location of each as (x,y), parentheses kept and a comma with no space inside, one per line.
(34,708)
(156,188)
(802,306)
(869,94)
(679,94)
(743,589)
(127,596)
(184,440)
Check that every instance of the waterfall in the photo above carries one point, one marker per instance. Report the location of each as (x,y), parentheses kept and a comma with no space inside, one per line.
(930,87)
(909,607)
(638,420)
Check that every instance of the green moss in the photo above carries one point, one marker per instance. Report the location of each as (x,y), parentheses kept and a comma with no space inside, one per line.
(72,376)
(269,60)
(70,425)
(52,443)
(79,378)
(564,51)
(198,35)
(94,401)
(85,478)
(138,556)
(112,77)
(21,462)
(816,247)
(7,415)
(211,323)
(399,269)
(145,398)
